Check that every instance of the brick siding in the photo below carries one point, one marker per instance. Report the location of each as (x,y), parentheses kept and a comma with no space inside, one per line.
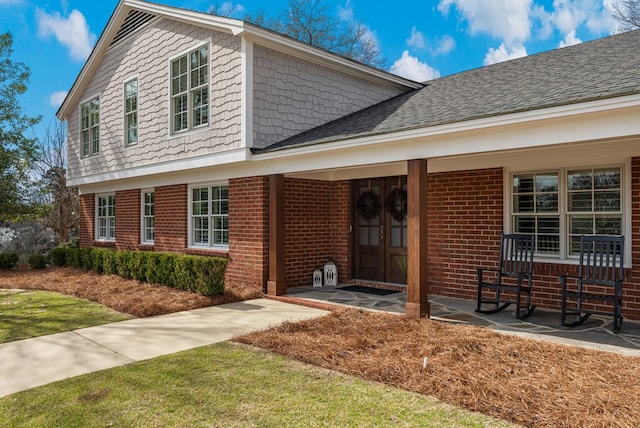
(87,218)
(248,232)
(128,219)
(170,218)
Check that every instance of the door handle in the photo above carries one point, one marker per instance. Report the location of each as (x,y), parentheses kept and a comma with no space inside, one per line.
(381,233)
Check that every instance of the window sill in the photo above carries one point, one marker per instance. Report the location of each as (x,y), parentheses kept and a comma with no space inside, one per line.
(208,251)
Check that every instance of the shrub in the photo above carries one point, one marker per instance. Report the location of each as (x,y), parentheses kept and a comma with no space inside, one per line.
(8,260)
(86,259)
(123,259)
(37,261)
(58,256)
(109,266)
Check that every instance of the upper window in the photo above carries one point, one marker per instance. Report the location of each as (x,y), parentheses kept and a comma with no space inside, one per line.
(90,127)
(559,206)
(106,218)
(131,112)
(210,216)
(190,90)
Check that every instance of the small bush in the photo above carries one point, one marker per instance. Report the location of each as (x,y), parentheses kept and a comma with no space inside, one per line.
(37,261)
(86,259)
(8,260)
(58,256)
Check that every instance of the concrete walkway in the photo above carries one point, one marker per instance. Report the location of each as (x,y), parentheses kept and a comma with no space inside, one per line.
(33,362)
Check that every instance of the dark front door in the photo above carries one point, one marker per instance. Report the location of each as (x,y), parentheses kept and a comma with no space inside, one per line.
(381,229)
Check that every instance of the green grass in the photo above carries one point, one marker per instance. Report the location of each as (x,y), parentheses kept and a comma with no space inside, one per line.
(25,314)
(227,385)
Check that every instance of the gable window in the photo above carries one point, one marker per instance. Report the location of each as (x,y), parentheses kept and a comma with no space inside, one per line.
(209,212)
(148,227)
(190,90)
(559,206)
(106,218)
(90,127)
(131,112)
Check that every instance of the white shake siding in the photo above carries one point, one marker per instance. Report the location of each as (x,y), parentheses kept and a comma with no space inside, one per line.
(145,55)
(292,95)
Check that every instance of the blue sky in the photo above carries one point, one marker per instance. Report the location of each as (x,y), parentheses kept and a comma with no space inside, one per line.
(419,39)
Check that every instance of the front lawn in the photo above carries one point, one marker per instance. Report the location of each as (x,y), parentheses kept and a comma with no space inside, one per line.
(227,385)
(30,313)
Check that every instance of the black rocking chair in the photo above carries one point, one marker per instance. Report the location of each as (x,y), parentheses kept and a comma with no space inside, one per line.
(599,279)
(514,275)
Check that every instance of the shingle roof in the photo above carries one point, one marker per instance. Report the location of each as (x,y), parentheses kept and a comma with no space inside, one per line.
(603,68)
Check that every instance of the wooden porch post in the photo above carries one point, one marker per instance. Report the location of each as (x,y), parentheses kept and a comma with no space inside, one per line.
(276,285)
(417,288)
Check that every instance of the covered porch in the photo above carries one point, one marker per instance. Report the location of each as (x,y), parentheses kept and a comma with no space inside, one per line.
(596,333)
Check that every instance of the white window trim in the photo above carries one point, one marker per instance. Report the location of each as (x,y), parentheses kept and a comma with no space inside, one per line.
(85,101)
(190,129)
(143,239)
(190,223)
(124,110)
(96,217)
(563,258)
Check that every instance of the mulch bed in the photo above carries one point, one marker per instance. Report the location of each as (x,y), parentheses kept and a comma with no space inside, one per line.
(124,295)
(527,382)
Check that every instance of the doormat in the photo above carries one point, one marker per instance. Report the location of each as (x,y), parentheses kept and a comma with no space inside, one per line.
(368,290)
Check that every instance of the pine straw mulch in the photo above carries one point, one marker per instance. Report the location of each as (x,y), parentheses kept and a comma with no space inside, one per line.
(527,382)
(124,295)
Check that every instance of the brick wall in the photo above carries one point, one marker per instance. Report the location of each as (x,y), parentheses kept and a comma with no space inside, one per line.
(317,217)
(248,232)
(465,218)
(87,218)
(128,219)
(170,220)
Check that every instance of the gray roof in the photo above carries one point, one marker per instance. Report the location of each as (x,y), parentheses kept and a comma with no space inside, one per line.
(603,68)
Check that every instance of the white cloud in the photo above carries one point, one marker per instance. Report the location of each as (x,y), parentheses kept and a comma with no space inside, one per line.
(506,20)
(504,54)
(228,9)
(416,40)
(569,39)
(56,98)
(72,32)
(445,44)
(346,12)
(410,67)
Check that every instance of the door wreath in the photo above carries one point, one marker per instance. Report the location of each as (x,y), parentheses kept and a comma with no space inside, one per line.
(368,205)
(396,204)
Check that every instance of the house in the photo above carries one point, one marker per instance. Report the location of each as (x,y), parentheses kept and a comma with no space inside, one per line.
(204,135)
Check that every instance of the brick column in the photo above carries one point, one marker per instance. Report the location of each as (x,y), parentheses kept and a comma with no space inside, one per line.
(417,287)
(87,216)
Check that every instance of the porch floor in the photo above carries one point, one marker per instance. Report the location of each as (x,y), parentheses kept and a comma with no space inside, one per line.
(544,324)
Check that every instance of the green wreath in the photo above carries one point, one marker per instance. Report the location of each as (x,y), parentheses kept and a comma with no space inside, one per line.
(368,205)
(396,204)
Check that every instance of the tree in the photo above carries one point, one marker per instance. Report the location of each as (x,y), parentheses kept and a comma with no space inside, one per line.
(627,13)
(310,21)
(61,202)
(17,152)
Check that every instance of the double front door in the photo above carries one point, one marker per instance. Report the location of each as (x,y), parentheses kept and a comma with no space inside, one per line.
(381,229)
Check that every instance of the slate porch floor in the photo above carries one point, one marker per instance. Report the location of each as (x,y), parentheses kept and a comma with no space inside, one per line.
(595,333)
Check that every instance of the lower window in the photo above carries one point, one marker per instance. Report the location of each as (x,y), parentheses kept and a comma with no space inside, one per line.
(559,206)
(209,216)
(148,224)
(106,218)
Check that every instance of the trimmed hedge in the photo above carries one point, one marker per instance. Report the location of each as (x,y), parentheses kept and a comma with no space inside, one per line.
(8,260)
(192,273)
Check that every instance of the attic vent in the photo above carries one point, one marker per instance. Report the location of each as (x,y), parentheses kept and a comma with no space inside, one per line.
(134,20)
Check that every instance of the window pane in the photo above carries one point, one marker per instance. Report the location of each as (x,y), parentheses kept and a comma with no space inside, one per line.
(364,235)
(547,202)
(523,203)
(608,225)
(549,225)
(580,180)
(607,178)
(580,225)
(525,224)
(580,202)
(607,201)
(547,182)
(523,183)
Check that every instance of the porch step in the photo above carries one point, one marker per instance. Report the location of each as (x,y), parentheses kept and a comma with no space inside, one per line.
(379,285)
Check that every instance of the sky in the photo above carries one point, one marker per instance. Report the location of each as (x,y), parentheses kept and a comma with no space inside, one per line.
(419,39)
